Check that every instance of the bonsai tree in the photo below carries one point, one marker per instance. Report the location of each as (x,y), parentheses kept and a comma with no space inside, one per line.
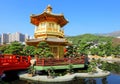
(70,69)
(104,65)
(92,66)
(14,48)
(28,50)
(43,50)
(71,51)
(51,72)
(31,71)
(83,47)
(3,48)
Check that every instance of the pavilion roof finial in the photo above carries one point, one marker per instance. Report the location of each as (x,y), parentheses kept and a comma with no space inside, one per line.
(49,9)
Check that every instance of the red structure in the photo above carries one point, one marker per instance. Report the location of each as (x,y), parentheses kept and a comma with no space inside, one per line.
(13,62)
(57,62)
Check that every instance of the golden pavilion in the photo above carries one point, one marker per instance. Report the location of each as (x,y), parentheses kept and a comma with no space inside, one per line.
(49,28)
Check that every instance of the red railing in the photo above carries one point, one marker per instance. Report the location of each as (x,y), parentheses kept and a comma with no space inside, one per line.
(13,62)
(63,61)
(11,59)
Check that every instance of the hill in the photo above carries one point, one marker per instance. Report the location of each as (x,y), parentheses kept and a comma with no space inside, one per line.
(116,41)
(89,38)
(113,34)
(95,38)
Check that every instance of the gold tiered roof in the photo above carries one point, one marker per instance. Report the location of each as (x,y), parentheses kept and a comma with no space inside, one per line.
(53,35)
(51,41)
(48,28)
(47,15)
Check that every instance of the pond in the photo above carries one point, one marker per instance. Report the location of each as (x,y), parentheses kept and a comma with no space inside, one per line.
(113,78)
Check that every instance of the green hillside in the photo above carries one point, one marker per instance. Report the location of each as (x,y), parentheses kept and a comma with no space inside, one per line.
(88,38)
(94,45)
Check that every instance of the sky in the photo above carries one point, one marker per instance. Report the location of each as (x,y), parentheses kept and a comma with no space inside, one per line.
(84,16)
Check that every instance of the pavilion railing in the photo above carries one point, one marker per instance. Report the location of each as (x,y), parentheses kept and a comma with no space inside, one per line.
(62,61)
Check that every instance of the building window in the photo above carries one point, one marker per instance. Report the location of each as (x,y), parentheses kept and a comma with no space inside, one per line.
(43,25)
(51,25)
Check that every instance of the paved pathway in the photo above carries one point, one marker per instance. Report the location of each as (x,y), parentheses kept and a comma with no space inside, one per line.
(108,59)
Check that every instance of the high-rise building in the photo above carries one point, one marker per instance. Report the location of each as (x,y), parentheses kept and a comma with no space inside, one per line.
(8,38)
(0,39)
(19,37)
(4,38)
(27,36)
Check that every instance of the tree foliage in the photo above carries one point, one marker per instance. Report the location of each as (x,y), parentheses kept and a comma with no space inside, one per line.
(3,48)
(14,48)
(43,50)
(82,44)
(28,50)
(71,51)
(88,38)
(95,45)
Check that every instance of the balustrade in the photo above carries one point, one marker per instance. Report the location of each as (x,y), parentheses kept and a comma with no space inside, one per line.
(63,61)
(12,59)
(13,62)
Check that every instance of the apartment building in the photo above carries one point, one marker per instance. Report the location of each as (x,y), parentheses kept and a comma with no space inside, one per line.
(8,38)
(4,38)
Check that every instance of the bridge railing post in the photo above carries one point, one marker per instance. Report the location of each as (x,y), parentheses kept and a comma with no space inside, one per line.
(0,61)
(20,58)
(29,58)
(43,62)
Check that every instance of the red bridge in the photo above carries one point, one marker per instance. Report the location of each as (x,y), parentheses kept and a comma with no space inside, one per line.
(13,62)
